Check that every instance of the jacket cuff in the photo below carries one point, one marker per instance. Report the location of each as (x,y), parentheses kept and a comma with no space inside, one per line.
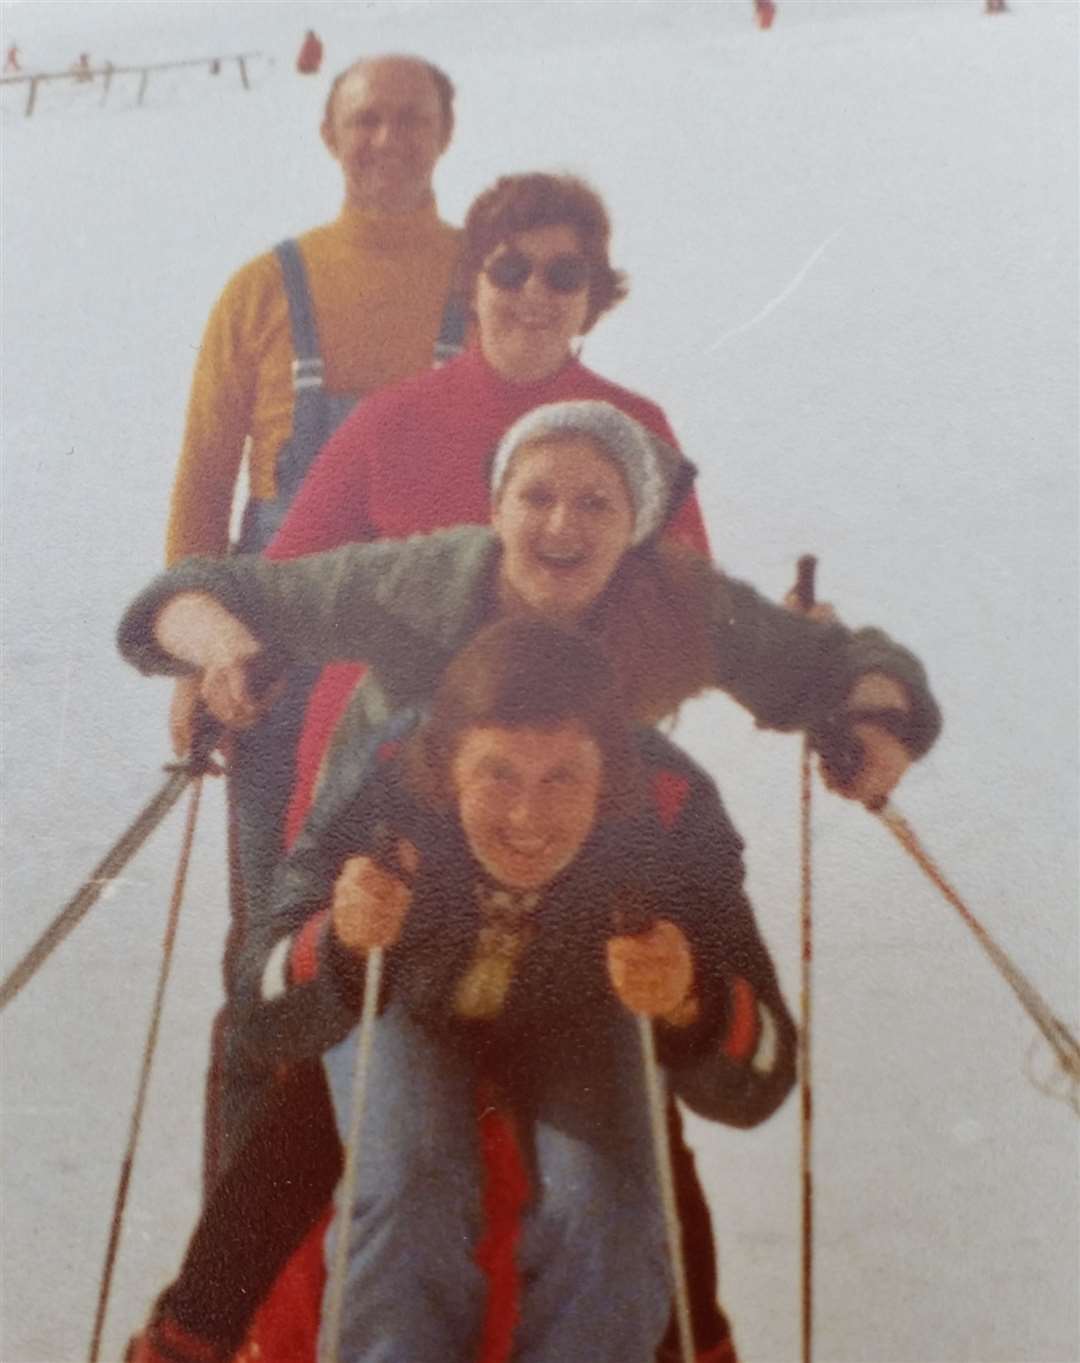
(921,724)
(224,580)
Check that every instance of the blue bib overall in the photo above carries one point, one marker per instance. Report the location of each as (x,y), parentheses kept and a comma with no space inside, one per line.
(262,768)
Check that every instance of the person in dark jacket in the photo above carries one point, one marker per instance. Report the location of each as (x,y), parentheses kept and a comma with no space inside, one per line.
(538,872)
(536,868)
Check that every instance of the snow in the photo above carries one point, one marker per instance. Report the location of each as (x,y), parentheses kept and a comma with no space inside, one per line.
(853,243)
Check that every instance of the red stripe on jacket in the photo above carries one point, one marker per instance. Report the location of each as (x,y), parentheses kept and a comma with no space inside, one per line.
(304,956)
(743,1030)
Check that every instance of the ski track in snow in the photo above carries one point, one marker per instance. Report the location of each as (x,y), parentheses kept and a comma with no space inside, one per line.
(780,298)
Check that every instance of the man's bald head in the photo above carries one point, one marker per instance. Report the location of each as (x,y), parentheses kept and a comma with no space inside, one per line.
(387,122)
(444,86)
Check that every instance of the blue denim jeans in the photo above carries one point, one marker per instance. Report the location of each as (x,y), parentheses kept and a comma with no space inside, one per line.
(595,1281)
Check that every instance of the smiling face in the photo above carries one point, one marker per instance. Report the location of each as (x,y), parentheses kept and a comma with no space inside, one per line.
(525,334)
(386,129)
(527,798)
(564,519)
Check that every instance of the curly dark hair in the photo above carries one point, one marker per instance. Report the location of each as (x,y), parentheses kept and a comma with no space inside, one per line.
(518,203)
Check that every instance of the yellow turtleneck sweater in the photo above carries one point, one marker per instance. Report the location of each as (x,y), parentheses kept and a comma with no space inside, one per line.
(378,286)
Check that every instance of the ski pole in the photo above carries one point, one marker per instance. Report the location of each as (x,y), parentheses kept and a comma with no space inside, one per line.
(181,774)
(654,1092)
(149,1049)
(350,1177)
(844,755)
(385,853)
(630,920)
(804,595)
(1065,1046)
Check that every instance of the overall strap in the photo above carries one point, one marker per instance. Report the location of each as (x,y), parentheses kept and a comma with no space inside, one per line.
(451,338)
(307,365)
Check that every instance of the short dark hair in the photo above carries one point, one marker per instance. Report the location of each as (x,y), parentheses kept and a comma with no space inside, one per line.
(518,203)
(523,672)
(444,86)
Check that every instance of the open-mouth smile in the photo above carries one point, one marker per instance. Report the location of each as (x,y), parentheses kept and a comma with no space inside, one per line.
(560,560)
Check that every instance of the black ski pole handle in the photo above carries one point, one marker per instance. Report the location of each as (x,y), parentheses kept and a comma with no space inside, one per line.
(206,734)
(805,573)
(840,748)
(633,912)
(263,670)
(632,922)
(384,852)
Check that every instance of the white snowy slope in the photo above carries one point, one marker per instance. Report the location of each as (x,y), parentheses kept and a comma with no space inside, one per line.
(853,243)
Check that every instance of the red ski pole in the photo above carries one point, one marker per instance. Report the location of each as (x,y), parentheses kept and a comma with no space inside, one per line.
(804,596)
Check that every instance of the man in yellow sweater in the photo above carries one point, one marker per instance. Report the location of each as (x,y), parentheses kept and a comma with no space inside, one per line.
(297,336)
(378,277)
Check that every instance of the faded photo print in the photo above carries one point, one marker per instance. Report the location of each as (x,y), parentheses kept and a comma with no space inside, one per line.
(540,682)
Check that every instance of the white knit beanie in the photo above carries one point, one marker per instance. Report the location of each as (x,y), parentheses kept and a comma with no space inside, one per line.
(648,464)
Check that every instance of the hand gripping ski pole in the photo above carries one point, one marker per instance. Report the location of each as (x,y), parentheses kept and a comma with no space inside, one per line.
(149,1049)
(804,596)
(844,757)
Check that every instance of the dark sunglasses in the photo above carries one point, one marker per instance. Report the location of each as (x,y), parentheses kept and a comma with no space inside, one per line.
(562,274)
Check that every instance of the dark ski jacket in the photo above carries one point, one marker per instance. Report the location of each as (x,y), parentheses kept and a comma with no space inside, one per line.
(680,858)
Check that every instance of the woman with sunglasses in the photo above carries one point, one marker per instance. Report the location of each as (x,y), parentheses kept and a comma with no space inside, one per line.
(580,492)
(414,457)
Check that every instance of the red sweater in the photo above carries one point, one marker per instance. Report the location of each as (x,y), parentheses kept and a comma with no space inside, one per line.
(415,457)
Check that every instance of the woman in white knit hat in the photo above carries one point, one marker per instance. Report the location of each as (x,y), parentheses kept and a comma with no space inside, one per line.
(580,492)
